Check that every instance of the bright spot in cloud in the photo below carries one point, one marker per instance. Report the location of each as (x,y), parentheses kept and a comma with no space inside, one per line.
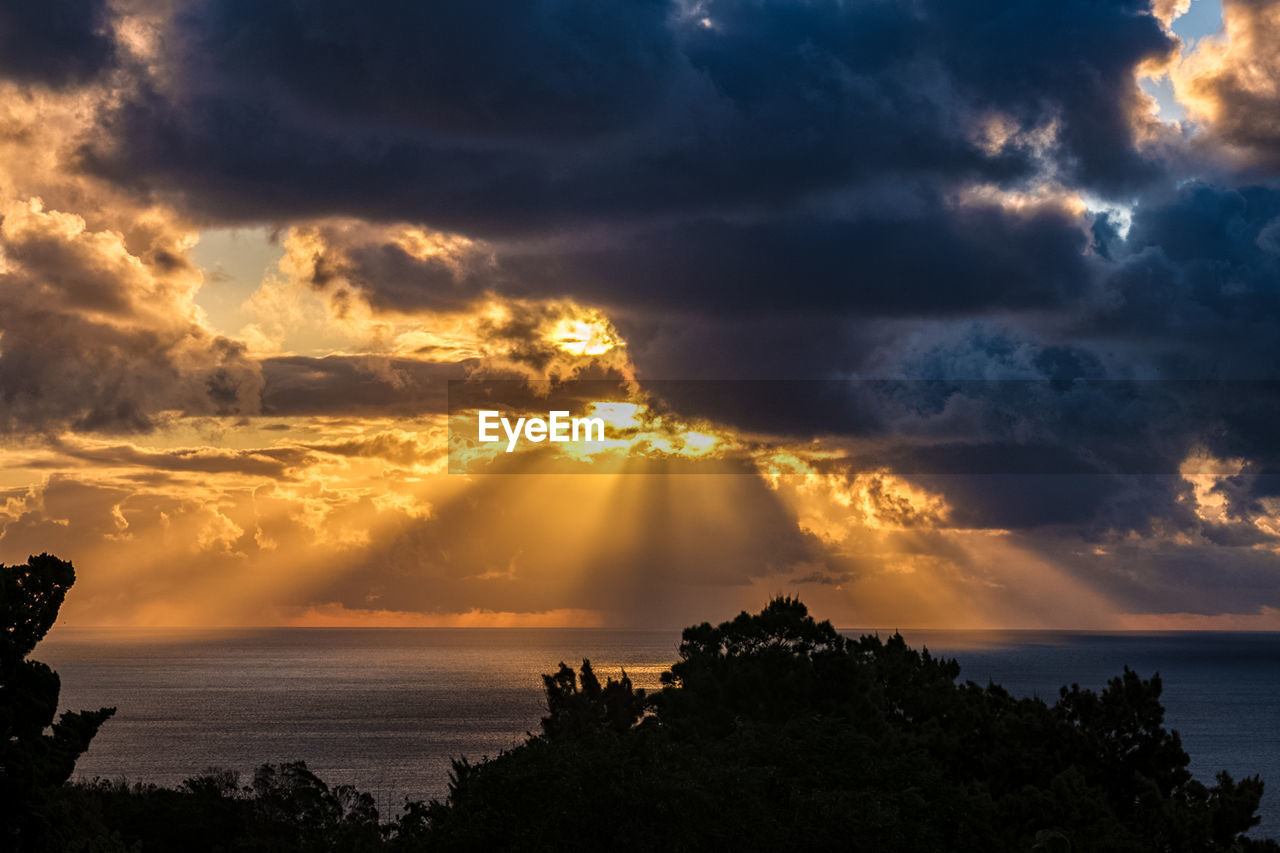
(583,336)
(1121,214)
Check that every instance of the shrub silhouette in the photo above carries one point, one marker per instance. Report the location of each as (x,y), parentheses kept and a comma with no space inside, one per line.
(285,807)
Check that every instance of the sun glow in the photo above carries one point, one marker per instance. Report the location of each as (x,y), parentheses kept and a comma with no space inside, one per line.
(636,429)
(588,335)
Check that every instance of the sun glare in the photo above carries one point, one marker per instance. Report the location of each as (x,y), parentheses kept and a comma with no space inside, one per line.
(592,335)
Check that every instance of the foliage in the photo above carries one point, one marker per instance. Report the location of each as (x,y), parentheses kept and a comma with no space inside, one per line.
(286,807)
(771,732)
(774,732)
(574,711)
(37,754)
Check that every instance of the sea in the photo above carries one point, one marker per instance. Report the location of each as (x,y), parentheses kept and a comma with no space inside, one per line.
(387,710)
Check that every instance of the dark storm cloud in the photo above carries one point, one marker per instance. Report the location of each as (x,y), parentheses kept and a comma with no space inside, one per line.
(355,385)
(393,279)
(516,116)
(941,259)
(941,262)
(1198,272)
(54,42)
(1095,454)
(394,269)
(561,69)
(1083,503)
(722,157)
(701,160)
(1166,577)
(1194,294)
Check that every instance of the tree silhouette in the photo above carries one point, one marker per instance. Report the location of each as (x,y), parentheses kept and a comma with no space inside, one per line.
(774,732)
(771,732)
(33,762)
(573,710)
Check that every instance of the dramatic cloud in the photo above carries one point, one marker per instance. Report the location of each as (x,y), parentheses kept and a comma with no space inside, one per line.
(96,337)
(566,114)
(1076,300)
(98,325)
(55,43)
(1229,82)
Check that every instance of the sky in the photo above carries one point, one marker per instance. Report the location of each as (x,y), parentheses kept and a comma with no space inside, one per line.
(981,301)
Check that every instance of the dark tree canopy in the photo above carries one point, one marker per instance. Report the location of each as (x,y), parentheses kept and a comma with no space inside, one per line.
(774,732)
(36,754)
(771,732)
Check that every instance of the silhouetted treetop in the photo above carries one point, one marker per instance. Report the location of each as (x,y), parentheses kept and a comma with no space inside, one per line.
(32,762)
(783,625)
(30,597)
(575,710)
(774,732)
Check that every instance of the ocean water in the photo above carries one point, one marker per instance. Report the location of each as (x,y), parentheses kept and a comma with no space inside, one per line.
(386,710)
